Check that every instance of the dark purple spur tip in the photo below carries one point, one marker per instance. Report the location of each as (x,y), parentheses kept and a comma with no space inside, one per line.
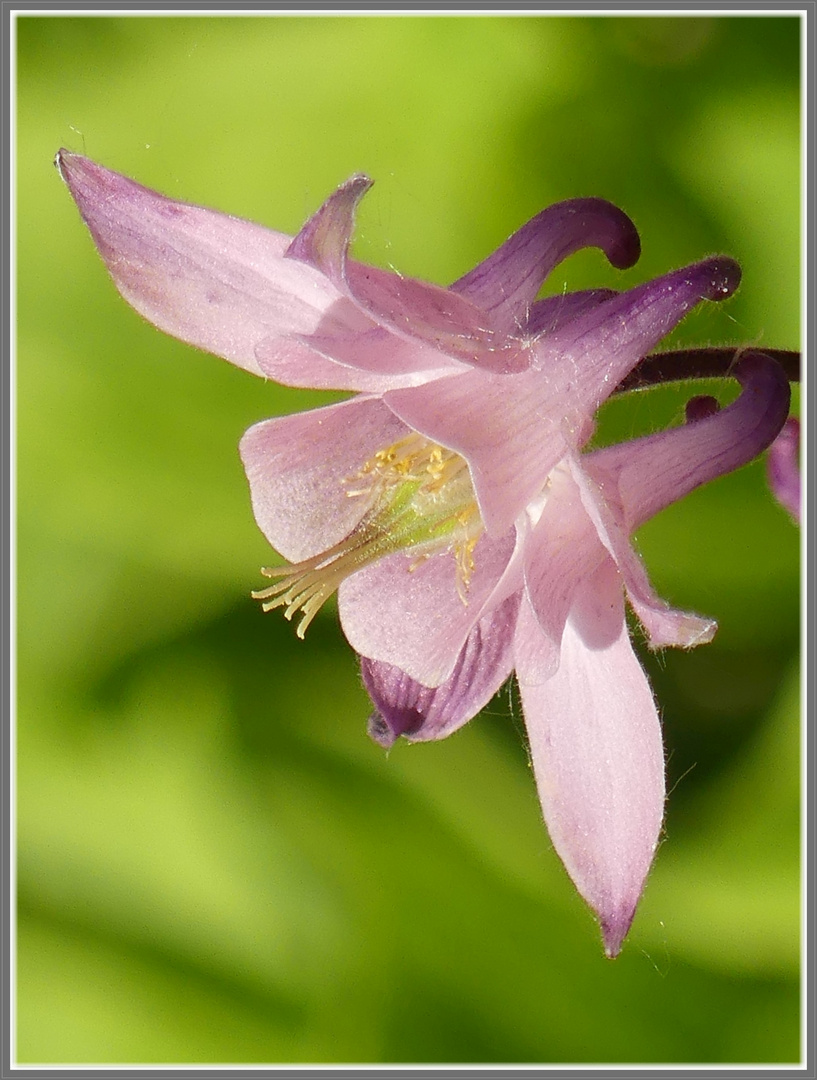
(720,277)
(379,730)
(386,732)
(698,408)
(625,250)
(601,224)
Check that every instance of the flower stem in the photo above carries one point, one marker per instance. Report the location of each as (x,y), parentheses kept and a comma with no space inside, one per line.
(706,363)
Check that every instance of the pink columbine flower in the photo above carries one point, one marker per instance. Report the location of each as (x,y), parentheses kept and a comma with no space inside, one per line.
(449,502)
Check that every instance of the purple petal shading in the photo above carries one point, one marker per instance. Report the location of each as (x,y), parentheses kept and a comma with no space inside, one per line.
(656,470)
(783,467)
(506,283)
(419,311)
(324,239)
(298,466)
(406,707)
(624,485)
(593,352)
(214,281)
(513,429)
(434,316)
(552,312)
(406,610)
(595,742)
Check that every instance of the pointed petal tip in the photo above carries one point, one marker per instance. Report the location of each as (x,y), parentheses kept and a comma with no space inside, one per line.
(66,164)
(359,181)
(73,167)
(324,240)
(59,159)
(614,930)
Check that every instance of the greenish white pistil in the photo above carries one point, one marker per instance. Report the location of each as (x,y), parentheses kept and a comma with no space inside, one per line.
(419,496)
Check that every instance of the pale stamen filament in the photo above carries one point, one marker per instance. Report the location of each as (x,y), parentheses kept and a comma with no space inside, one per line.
(420,496)
(307,585)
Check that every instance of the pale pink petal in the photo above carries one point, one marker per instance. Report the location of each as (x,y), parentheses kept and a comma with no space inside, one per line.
(511,429)
(563,551)
(217,282)
(302,467)
(784,468)
(309,362)
(595,742)
(506,283)
(423,313)
(406,707)
(664,624)
(406,609)
(436,317)
(378,351)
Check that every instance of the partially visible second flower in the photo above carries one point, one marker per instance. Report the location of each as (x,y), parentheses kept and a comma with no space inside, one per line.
(450,502)
(783,467)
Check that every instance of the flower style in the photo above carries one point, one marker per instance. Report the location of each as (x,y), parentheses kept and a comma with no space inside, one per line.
(449,502)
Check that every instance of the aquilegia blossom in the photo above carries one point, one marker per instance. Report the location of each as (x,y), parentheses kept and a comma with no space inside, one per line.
(449,502)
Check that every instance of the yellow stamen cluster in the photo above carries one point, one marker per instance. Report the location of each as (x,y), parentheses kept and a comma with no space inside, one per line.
(418,495)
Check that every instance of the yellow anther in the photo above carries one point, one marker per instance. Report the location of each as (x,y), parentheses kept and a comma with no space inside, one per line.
(418,495)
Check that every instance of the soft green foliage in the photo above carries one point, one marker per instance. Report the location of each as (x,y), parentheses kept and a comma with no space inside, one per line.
(215,864)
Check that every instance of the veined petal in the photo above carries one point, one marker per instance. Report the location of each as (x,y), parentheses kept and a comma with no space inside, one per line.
(784,468)
(552,312)
(623,486)
(656,470)
(511,429)
(407,610)
(298,466)
(435,317)
(595,742)
(380,351)
(590,355)
(214,281)
(665,625)
(406,707)
(315,362)
(323,241)
(506,283)
(563,551)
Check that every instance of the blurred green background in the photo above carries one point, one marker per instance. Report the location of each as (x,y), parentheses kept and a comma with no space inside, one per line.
(215,864)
